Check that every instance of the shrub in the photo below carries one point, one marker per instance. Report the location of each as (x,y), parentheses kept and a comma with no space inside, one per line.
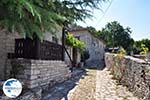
(122,51)
(144,50)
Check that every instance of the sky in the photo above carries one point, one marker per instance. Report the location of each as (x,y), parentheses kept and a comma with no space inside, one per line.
(132,13)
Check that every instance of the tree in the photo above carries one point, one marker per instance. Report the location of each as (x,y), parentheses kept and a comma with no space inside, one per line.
(115,35)
(141,46)
(146,42)
(92,30)
(38,16)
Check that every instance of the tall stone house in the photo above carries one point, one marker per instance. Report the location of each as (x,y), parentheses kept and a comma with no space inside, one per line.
(94,46)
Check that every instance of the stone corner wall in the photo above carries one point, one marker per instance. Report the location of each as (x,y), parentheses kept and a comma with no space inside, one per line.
(7,45)
(40,73)
(131,72)
(36,76)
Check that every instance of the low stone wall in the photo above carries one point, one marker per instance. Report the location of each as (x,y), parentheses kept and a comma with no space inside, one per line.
(39,73)
(36,76)
(131,72)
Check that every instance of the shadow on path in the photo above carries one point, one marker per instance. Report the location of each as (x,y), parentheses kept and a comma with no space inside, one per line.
(100,67)
(61,90)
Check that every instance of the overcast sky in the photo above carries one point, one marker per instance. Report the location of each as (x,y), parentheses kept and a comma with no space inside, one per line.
(132,13)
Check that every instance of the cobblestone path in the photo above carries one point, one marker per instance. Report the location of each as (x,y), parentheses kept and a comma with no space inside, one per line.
(94,85)
(108,89)
(85,90)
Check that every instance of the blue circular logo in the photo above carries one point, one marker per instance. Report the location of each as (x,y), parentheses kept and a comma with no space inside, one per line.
(12,88)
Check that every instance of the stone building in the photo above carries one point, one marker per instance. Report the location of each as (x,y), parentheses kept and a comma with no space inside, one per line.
(7,47)
(39,74)
(94,46)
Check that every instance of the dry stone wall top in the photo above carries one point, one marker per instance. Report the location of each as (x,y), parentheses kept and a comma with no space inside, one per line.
(131,72)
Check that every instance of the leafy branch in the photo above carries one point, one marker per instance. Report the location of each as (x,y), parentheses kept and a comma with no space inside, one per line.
(74,42)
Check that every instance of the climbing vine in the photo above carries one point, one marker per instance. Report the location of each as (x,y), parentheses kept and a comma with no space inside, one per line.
(74,42)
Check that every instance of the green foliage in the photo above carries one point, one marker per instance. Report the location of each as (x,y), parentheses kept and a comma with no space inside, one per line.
(115,35)
(122,51)
(141,47)
(144,50)
(146,42)
(74,42)
(93,31)
(39,16)
(137,48)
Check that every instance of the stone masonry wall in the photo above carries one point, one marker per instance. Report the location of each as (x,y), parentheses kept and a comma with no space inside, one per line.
(131,72)
(39,73)
(7,45)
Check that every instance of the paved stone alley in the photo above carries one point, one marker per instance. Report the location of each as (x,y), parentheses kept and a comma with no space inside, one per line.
(92,84)
(108,89)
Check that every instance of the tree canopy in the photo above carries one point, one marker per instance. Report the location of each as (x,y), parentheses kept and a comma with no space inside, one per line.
(38,16)
(141,46)
(115,35)
(146,42)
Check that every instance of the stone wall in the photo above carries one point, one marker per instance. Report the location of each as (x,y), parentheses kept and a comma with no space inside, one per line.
(131,72)
(39,73)
(7,45)
(36,76)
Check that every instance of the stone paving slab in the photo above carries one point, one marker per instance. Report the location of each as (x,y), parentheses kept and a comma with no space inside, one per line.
(102,86)
(85,90)
(108,89)
(61,90)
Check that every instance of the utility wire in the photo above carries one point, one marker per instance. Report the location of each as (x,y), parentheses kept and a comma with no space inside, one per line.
(104,13)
